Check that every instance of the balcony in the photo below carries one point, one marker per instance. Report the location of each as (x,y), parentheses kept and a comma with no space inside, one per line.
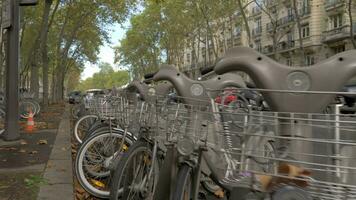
(286,45)
(333,4)
(286,20)
(268,49)
(257,31)
(305,11)
(337,34)
(256,10)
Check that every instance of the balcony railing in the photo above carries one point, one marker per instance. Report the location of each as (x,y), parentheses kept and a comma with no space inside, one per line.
(257,31)
(338,33)
(285,45)
(329,4)
(286,20)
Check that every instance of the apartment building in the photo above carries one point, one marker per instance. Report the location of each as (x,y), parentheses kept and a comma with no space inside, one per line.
(324,27)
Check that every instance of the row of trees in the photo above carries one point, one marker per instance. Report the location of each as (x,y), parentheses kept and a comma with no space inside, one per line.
(59,36)
(166,27)
(106,78)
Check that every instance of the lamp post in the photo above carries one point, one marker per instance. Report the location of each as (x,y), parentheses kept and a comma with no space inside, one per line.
(11,22)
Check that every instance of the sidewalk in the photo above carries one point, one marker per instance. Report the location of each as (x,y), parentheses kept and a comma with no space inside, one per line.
(58,172)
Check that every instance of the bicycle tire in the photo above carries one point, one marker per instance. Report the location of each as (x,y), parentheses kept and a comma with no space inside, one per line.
(2,120)
(183,189)
(79,137)
(37,105)
(139,146)
(23,107)
(75,111)
(85,178)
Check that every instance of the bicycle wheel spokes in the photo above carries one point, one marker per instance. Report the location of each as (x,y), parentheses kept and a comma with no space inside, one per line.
(2,121)
(95,159)
(136,180)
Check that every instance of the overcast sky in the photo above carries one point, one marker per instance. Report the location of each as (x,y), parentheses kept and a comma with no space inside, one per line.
(106,52)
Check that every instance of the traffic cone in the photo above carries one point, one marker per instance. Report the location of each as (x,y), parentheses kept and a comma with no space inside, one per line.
(30,123)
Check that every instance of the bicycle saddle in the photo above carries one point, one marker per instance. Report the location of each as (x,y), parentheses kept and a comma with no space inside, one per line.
(195,92)
(138,87)
(327,76)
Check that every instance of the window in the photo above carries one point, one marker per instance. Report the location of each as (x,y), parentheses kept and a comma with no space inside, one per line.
(290,36)
(305,31)
(290,12)
(339,49)
(203,52)
(258,22)
(306,6)
(289,62)
(335,21)
(258,45)
(188,57)
(309,60)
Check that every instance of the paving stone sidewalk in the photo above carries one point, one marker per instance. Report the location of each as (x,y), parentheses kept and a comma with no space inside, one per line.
(58,172)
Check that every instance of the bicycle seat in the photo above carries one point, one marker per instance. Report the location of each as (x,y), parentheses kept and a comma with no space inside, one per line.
(329,75)
(195,92)
(138,87)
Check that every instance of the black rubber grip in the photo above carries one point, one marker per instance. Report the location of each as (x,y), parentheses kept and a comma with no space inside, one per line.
(148,81)
(149,75)
(206,70)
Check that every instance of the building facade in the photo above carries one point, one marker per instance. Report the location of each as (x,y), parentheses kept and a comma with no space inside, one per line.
(276,27)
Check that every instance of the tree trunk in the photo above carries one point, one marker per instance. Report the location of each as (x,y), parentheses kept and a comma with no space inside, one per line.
(301,46)
(34,87)
(352,38)
(44,50)
(244,17)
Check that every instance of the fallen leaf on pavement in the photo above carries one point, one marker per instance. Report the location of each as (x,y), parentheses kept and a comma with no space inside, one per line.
(23,142)
(34,152)
(22,151)
(42,142)
(80,190)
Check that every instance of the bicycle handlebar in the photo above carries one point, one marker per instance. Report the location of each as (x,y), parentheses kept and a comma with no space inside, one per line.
(329,76)
(194,92)
(149,75)
(207,70)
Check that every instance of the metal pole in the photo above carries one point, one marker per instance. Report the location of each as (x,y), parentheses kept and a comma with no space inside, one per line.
(12,64)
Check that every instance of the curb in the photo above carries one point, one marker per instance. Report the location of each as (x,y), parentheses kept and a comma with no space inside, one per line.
(58,171)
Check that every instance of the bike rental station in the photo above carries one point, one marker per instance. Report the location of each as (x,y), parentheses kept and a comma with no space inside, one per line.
(288,133)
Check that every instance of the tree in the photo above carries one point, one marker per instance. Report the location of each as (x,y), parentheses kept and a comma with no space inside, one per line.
(106,78)
(349,12)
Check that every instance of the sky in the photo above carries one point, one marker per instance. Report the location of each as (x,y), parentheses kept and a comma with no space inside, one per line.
(107,53)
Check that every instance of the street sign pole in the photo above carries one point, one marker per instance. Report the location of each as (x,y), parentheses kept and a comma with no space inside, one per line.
(11,14)
(12,76)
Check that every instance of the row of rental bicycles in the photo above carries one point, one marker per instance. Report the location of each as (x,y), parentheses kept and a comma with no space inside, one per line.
(290,136)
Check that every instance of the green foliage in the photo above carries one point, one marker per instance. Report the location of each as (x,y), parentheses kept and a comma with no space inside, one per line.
(34,181)
(106,78)
(163,30)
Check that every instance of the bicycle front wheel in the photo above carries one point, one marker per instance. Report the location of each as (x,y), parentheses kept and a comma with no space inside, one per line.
(136,174)
(184,183)
(2,120)
(82,127)
(95,160)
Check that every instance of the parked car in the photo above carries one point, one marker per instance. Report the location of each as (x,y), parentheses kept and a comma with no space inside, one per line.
(74,97)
